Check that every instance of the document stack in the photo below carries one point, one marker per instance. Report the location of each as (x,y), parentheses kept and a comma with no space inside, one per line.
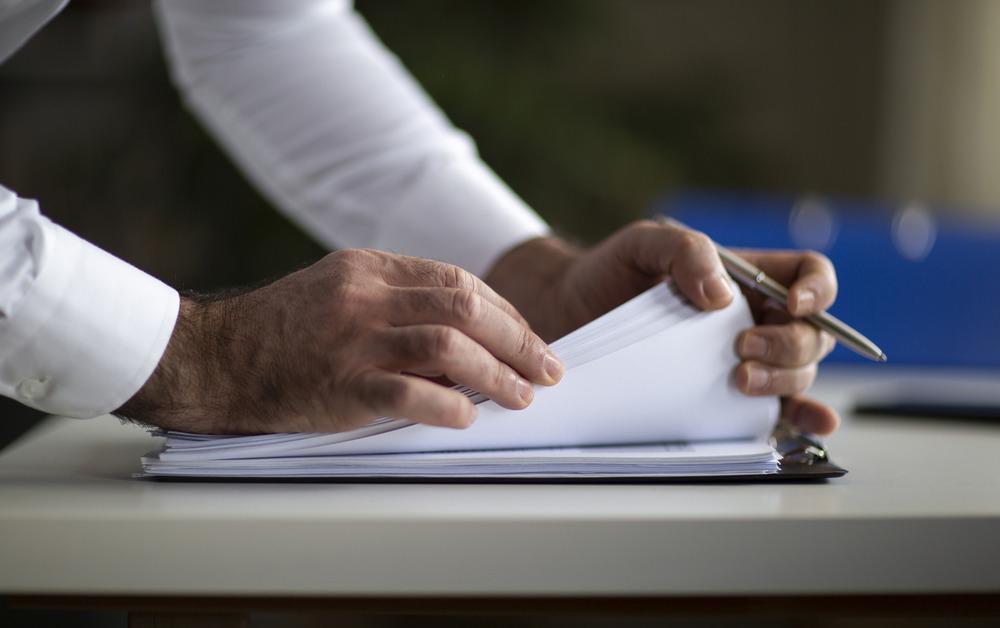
(647,393)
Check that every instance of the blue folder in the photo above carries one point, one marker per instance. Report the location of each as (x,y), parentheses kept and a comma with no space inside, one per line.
(923,284)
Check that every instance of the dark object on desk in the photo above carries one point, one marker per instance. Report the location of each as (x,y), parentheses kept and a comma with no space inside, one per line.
(16,421)
(966,396)
(802,460)
(792,473)
(973,412)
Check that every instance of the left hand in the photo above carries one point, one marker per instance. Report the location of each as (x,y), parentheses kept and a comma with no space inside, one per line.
(558,288)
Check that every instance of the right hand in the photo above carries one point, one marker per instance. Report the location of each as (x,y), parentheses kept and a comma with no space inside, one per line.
(358,335)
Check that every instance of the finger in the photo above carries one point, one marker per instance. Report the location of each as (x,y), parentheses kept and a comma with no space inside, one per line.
(810,277)
(441,350)
(793,344)
(416,399)
(687,256)
(756,378)
(774,313)
(416,272)
(808,415)
(481,320)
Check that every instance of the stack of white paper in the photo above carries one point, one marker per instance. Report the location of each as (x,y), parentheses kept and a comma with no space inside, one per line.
(682,459)
(654,370)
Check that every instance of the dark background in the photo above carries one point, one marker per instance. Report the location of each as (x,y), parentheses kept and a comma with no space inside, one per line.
(590,109)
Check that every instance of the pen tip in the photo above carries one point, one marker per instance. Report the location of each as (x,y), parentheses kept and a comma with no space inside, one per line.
(882,357)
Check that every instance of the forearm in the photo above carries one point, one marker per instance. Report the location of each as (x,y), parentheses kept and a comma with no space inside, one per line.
(329,125)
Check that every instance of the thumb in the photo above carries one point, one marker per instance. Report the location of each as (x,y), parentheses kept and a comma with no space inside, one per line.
(688,257)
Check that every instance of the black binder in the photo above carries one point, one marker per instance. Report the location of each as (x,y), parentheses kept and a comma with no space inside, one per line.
(803,460)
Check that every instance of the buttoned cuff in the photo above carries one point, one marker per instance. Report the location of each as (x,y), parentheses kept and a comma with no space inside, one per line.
(88,332)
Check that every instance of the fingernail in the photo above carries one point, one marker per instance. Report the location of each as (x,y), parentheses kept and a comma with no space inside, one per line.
(716,288)
(757,379)
(553,367)
(806,300)
(754,346)
(525,391)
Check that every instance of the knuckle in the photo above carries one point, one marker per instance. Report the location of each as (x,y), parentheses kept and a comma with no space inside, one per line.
(454,277)
(337,263)
(458,413)
(349,257)
(396,394)
(466,305)
(498,377)
(346,265)
(703,242)
(693,243)
(798,348)
(443,342)
(817,258)
(415,345)
(791,346)
(502,378)
(805,377)
(643,225)
(802,354)
(525,342)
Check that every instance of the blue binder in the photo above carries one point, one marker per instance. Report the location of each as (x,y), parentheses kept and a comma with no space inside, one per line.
(923,284)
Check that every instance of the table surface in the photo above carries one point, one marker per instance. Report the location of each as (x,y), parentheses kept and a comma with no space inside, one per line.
(919,512)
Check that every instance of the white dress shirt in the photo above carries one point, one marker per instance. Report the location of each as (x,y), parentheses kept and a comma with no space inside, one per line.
(321,117)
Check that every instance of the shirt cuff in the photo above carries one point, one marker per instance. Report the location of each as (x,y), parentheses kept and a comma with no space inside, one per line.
(88,333)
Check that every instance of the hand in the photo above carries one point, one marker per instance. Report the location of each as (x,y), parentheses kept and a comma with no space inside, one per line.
(559,288)
(781,353)
(356,336)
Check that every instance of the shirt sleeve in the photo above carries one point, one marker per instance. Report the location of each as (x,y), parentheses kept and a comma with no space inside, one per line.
(330,126)
(80,330)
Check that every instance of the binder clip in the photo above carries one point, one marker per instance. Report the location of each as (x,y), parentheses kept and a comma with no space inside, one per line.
(797,448)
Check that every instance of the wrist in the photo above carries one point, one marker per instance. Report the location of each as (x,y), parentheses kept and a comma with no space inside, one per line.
(530,277)
(178,394)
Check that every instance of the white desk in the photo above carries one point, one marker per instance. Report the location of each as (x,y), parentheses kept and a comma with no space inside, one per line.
(918,513)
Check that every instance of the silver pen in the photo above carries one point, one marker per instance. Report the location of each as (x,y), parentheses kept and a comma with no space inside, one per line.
(753,277)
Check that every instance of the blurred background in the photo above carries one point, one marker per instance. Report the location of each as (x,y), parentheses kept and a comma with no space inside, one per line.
(590,109)
(867,129)
(861,128)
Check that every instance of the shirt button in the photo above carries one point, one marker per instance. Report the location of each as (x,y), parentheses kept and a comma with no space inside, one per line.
(32,389)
